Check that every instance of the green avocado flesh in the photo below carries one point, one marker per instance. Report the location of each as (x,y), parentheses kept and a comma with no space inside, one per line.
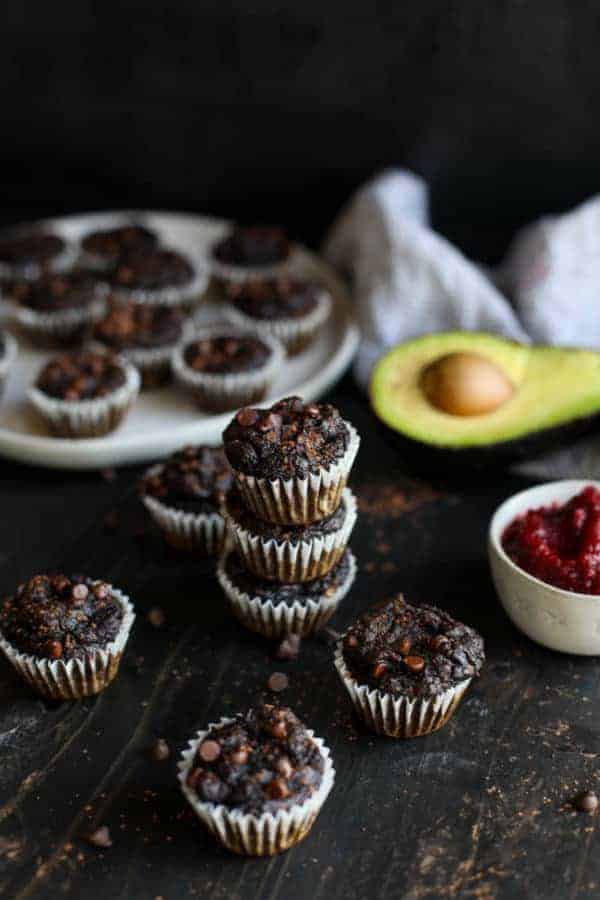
(554,387)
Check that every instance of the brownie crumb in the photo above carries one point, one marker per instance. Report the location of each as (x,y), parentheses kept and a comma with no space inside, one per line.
(160,750)
(61,617)
(289,648)
(157,617)
(291,439)
(262,761)
(100,838)
(586,802)
(278,682)
(411,650)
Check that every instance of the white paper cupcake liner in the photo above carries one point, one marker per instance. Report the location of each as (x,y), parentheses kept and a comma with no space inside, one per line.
(202,533)
(277,620)
(30,271)
(294,334)
(299,501)
(88,418)
(252,835)
(222,393)
(7,359)
(230,272)
(62,325)
(59,680)
(399,717)
(175,295)
(291,562)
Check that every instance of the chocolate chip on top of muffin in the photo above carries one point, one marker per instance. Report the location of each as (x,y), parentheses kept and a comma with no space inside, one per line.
(291,439)
(50,293)
(132,325)
(226,354)
(152,270)
(82,375)
(195,479)
(273,298)
(256,245)
(411,651)
(38,248)
(112,243)
(61,617)
(263,761)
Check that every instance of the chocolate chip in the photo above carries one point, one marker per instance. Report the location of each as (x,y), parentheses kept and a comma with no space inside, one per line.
(109,474)
(277,682)
(278,730)
(80,593)
(160,750)
(414,663)
(289,648)
(284,766)
(312,410)
(379,670)
(54,649)
(247,417)
(100,837)
(351,641)
(240,756)
(586,802)
(157,617)
(208,751)
(278,789)
(403,646)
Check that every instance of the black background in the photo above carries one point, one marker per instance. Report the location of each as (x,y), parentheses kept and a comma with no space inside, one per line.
(272,110)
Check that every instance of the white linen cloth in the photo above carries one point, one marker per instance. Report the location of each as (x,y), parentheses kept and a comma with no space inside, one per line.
(407,280)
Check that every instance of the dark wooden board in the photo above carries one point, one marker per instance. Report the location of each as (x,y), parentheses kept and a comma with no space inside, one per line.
(478,810)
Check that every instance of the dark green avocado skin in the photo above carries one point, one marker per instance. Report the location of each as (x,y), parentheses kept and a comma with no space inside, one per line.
(439,460)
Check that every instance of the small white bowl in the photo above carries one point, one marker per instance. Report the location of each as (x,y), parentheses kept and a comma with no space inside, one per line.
(559,619)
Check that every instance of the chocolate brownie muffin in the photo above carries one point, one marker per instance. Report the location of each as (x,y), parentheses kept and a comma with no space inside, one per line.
(276,609)
(262,762)
(223,367)
(83,375)
(54,620)
(146,335)
(184,497)
(60,617)
(308,443)
(291,439)
(28,254)
(85,393)
(290,553)
(291,309)
(253,246)
(194,479)
(225,355)
(159,276)
(103,248)
(58,307)
(418,659)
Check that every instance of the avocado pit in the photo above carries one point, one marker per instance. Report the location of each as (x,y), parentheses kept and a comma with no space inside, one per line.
(465,384)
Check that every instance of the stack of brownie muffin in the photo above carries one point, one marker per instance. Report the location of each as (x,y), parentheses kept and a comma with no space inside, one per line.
(286,566)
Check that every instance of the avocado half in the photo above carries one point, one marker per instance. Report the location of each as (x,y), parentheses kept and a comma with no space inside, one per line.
(556,399)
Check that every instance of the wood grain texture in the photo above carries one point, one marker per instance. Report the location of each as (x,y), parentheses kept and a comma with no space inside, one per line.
(479,809)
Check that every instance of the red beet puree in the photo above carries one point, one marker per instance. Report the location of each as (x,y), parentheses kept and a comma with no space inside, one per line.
(560,544)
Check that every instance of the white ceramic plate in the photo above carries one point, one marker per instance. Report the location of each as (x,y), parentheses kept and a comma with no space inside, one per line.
(165,420)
